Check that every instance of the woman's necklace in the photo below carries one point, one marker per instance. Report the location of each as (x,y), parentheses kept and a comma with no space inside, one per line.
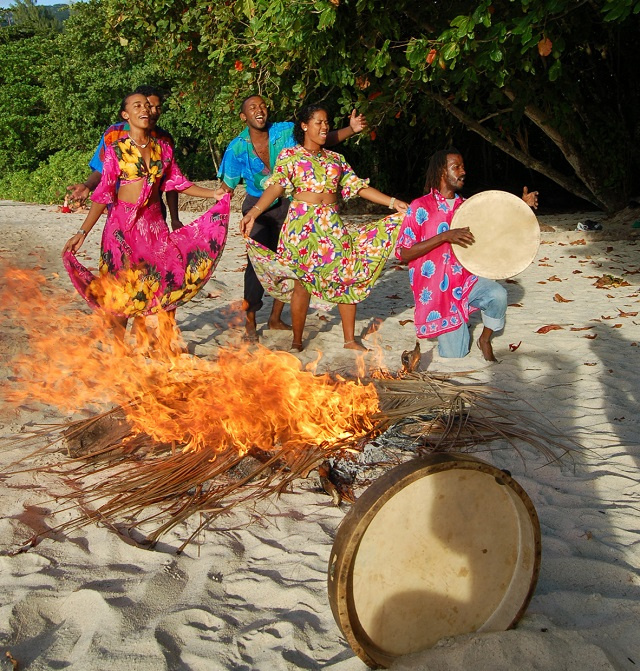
(140,146)
(315,152)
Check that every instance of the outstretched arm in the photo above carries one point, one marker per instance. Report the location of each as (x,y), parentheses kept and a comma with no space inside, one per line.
(375,196)
(270,194)
(357,123)
(455,236)
(74,243)
(204,192)
(80,192)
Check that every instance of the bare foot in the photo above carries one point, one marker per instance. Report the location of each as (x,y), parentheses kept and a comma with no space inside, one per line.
(297,346)
(278,325)
(251,334)
(487,351)
(354,344)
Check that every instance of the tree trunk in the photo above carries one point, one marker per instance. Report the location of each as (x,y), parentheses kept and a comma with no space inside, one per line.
(567,183)
(589,177)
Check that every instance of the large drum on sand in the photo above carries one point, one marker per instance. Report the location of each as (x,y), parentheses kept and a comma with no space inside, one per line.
(438,546)
(506,232)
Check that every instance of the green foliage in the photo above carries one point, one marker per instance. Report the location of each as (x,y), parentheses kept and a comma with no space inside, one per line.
(28,16)
(47,183)
(22,118)
(551,78)
(568,59)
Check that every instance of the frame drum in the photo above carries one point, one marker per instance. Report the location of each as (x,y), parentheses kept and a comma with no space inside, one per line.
(506,231)
(439,546)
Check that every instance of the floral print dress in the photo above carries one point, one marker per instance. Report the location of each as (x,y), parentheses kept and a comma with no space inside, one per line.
(143,266)
(334,264)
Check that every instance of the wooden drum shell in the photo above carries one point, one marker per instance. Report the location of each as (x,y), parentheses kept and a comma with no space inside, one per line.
(398,581)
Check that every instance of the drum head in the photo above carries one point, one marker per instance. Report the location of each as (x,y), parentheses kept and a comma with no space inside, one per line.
(506,232)
(439,546)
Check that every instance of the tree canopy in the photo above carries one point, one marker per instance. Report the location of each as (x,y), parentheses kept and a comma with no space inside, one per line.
(551,83)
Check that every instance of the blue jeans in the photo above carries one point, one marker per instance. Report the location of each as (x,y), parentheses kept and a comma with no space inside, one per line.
(491,298)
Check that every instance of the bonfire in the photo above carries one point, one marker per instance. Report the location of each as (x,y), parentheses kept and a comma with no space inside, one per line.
(158,435)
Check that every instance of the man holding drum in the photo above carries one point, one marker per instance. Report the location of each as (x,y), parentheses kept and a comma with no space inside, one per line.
(445,292)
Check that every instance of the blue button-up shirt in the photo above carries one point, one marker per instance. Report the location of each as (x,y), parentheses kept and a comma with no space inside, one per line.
(240,161)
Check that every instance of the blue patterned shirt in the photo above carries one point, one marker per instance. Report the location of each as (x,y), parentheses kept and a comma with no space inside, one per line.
(240,161)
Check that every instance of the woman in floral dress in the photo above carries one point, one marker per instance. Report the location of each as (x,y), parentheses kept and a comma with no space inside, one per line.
(317,256)
(144,268)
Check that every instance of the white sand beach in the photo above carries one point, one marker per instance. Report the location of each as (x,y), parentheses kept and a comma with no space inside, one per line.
(250,592)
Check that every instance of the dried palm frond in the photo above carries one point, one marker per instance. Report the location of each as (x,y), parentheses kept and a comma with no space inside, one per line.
(123,478)
(449,415)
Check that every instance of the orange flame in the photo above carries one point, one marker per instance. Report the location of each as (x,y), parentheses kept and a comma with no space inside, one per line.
(243,399)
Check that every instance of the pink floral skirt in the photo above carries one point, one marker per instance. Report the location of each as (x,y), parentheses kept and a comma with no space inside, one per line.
(144,267)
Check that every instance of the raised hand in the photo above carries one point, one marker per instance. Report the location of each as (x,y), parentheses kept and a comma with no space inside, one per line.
(357,122)
(530,198)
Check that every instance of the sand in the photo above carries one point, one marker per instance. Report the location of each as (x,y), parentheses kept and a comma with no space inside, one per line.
(253,596)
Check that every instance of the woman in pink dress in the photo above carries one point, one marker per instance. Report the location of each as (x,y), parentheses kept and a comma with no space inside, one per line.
(144,268)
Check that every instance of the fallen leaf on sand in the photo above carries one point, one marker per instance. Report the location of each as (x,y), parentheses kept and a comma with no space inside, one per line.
(590,364)
(240,269)
(581,241)
(394,297)
(405,321)
(590,336)
(510,281)
(554,278)
(550,327)
(577,272)
(622,314)
(617,326)
(559,299)
(611,281)
(581,328)
(541,282)
(603,317)
(513,347)
(515,305)
(546,265)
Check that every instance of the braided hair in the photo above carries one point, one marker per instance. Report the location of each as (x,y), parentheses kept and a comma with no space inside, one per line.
(304,115)
(437,167)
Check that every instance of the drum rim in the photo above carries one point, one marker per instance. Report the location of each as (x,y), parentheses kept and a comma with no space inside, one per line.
(515,199)
(357,520)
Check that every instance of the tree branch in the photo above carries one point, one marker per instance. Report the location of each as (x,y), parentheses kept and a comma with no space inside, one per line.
(590,178)
(565,182)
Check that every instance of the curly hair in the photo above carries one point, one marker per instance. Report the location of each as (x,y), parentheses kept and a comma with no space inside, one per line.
(147,91)
(304,116)
(436,168)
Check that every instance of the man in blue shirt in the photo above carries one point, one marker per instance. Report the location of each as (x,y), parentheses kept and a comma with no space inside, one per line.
(251,157)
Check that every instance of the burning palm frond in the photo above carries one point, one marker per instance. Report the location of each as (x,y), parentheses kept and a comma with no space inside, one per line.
(185,435)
